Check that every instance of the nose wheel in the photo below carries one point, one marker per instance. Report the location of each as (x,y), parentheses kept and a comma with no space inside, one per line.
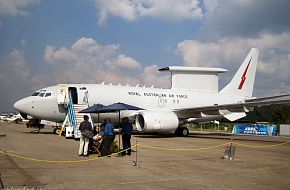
(182,132)
(56,131)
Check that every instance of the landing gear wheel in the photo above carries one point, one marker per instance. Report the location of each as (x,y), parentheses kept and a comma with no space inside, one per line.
(57,131)
(182,132)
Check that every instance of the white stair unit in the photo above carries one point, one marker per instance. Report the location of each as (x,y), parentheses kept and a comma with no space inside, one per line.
(73,117)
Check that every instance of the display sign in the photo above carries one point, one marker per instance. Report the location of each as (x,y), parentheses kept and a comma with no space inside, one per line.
(263,130)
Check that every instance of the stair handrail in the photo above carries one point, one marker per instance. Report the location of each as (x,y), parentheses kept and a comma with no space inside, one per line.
(87,98)
(72,116)
(88,105)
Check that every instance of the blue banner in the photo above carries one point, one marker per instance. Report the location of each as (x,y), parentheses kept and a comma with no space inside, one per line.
(263,130)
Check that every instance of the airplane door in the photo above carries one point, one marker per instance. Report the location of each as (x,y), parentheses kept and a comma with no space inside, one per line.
(62,93)
(160,101)
(74,94)
(83,95)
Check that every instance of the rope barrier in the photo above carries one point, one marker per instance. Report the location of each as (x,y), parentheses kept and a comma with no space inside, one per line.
(211,147)
(60,161)
(261,146)
(183,149)
(140,145)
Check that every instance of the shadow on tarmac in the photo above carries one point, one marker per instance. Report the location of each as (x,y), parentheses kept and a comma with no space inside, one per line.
(221,136)
(36,132)
(155,135)
(235,137)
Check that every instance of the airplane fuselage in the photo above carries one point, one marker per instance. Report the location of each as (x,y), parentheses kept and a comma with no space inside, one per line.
(152,99)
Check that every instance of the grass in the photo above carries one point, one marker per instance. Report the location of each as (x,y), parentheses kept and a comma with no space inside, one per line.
(222,127)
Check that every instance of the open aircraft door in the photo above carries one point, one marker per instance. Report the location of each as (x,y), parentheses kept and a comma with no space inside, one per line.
(62,93)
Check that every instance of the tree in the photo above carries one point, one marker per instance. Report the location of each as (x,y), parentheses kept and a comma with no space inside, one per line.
(281,114)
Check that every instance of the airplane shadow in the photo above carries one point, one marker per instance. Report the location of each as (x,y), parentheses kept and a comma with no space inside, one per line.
(36,132)
(233,137)
(154,135)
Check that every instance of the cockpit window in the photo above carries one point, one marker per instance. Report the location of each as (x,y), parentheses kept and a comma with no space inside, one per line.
(47,94)
(35,94)
(41,94)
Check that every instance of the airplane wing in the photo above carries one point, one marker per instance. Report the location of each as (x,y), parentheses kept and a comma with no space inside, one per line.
(232,111)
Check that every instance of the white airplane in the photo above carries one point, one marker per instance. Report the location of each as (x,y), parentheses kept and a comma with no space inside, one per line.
(3,115)
(14,118)
(193,97)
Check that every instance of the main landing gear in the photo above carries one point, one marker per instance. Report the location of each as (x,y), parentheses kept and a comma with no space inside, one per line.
(182,132)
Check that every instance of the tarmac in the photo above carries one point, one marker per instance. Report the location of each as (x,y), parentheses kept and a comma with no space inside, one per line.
(257,164)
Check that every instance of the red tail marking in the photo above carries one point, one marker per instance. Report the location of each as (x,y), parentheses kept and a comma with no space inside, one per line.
(244,76)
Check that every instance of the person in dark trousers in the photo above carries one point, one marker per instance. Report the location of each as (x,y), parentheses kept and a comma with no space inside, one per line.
(85,126)
(127,129)
(109,136)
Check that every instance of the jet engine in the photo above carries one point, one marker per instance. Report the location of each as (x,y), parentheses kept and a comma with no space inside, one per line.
(153,121)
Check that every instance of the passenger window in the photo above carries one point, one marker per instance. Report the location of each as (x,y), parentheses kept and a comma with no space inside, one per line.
(47,94)
(41,94)
(35,94)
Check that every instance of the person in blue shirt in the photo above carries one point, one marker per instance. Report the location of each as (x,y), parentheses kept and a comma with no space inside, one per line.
(127,129)
(109,136)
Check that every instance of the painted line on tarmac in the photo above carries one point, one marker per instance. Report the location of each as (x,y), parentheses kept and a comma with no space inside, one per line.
(149,181)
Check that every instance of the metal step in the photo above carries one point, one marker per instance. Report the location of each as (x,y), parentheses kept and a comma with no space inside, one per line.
(79,116)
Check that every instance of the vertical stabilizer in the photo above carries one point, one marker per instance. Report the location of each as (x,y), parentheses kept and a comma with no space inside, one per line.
(243,82)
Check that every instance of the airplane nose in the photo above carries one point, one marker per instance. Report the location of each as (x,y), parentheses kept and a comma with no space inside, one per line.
(22,105)
(17,105)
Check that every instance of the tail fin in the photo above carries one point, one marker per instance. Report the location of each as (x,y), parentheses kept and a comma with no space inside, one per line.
(243,82)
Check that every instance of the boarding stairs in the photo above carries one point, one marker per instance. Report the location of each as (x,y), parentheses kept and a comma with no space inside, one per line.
(74,118)
(79,117)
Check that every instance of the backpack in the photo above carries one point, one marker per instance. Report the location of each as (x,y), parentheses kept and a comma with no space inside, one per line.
(88,134)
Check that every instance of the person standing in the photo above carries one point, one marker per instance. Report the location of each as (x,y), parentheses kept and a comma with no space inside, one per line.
(127,129)
(109,136)
(85,127)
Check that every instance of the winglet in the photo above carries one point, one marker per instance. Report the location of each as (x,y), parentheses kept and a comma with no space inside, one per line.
(242,83)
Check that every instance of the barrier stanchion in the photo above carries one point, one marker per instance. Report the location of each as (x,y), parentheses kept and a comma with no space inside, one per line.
(230,151)
(135,163)
(1,184)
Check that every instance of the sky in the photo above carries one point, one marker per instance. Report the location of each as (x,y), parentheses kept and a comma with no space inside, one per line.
(43,43)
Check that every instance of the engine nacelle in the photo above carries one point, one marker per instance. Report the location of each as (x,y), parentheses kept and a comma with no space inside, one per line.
(153,121)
